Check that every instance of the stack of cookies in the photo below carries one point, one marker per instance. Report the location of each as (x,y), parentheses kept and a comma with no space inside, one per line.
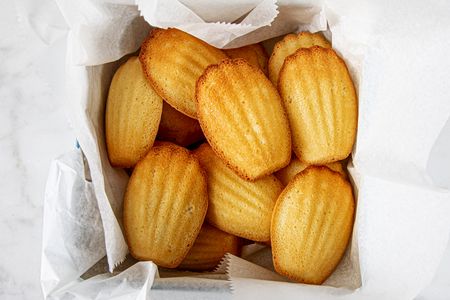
(229,146)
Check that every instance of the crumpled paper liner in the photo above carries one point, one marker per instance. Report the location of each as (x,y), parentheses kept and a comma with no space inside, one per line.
(104,30)
(173,13)
(72,228)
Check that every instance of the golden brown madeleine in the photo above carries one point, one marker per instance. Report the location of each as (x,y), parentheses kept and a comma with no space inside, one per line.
(321,104)
(158,143)
(311,225)
(165,205)
(133,112)
(173,60)
(178,128)
(237,206)
(254,54)
(296,166)
(288,45)
(209,248)
(337,167)
(243,118)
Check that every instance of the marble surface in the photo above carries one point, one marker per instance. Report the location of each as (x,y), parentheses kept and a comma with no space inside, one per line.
(34,130)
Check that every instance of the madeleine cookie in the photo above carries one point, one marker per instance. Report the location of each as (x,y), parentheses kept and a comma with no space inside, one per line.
(178,128)
(288,45)
(165,204)
(243,118)
(254,54)
(311,225)
(240,207)
(296,166)
(209,248)
(158,143)
(173,61)
(133,112)
(321,104)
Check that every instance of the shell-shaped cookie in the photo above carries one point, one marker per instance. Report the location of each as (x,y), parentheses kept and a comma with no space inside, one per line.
(243,118)
(321,104)
(165,204)
(311,225)
(209,248)
(158,143)
(288,45)
(133,112)
(296,166)
(178,128)
(173,60)
(237,206)
(254,54)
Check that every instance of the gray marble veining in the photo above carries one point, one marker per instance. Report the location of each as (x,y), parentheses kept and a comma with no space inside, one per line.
(33,131)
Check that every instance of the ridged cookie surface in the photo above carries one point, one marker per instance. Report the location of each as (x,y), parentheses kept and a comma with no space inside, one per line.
(321,104)
(243,118)
(173,61)
(133,112)
(165,204)
(311,225)
(209,248)
(254,54)
(296,166)
(288,45)
(178,128)
(238,206)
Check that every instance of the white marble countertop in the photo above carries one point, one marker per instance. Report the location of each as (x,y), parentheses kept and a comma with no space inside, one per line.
(34,130)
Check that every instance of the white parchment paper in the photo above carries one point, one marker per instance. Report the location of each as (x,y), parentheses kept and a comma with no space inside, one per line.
(397,54)
(72,230)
